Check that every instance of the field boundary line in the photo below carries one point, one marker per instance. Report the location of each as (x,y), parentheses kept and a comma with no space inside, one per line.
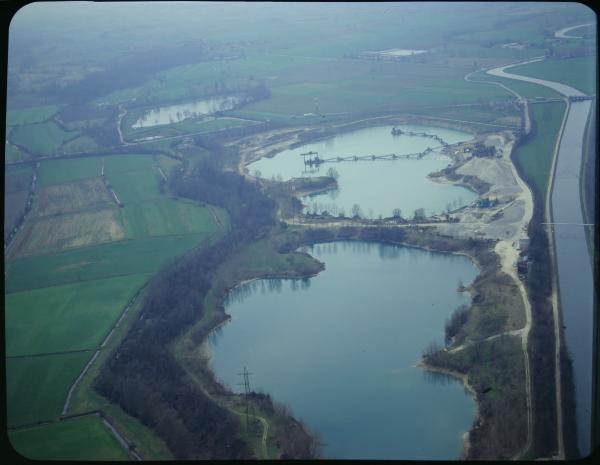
(50,354)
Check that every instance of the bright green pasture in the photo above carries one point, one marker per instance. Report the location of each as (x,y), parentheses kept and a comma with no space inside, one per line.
(579,72)
(163,216)
(535,157)
(83,438)
(36,387)
(143,255)
(30,115)
(65,318)
(41,138)
(68,170)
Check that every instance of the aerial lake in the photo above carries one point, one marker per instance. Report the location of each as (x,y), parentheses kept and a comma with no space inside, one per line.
(377,186)
(175,113)
(339,349)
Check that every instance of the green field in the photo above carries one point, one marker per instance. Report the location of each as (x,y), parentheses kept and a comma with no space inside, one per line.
(41,139)
(535,157)
(62,171)
(579,73)
(83,438)
(80,144)
(30,115)
(65,318)
(12,153)
(143,255)
(162,216)
(57,303)
(36,387)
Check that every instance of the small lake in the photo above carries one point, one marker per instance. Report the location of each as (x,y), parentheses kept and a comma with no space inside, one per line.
(171,114)
(340,349)
(378,186)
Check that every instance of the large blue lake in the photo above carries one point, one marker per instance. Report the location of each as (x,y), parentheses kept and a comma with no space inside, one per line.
(340,348)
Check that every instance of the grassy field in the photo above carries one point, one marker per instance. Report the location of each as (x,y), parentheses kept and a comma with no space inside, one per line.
(166,217)
(144,255)
(17,180)
(63,171)
(69,440)
(53,319)
(579,72)
(80,144)
(61,305)
(535,157)
(12,153)
(36,387)
(30,115)
(41,139)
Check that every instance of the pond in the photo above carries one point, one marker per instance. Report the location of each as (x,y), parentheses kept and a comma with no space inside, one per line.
(339,349)
(171,114)
(376,186)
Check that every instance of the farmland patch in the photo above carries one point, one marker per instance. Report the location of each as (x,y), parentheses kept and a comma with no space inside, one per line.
(65,318)
(54,233)
(26,402)
(90,193)
(83,438)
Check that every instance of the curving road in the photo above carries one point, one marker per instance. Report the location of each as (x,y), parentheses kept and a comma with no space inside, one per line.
(573,263)
(562,34)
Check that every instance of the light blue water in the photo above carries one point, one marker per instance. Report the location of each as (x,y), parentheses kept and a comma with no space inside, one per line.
(340,349)
(380,186)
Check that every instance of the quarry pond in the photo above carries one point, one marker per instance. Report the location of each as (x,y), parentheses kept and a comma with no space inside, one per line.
(376,186)
(340,349)
(175,113)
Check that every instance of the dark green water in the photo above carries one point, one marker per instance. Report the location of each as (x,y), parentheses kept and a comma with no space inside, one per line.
(340,349)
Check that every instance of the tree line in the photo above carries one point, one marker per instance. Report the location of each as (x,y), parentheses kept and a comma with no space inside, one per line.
(142,376)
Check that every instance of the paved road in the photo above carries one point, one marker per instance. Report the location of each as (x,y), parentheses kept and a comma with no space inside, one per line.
(562,34)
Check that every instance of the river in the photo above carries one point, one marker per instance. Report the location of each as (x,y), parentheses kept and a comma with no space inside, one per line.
(575,277)
(340,349)
(379,186)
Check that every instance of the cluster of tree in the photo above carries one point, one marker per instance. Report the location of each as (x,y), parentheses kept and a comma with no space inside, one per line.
(147,382)
(455,323)
(249,209)
(541,336)
(129,72)
(482,150)
(142,375)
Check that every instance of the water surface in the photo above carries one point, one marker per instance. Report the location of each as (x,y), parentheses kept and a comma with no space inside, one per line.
(171,114)
(379,186)
(340,349)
